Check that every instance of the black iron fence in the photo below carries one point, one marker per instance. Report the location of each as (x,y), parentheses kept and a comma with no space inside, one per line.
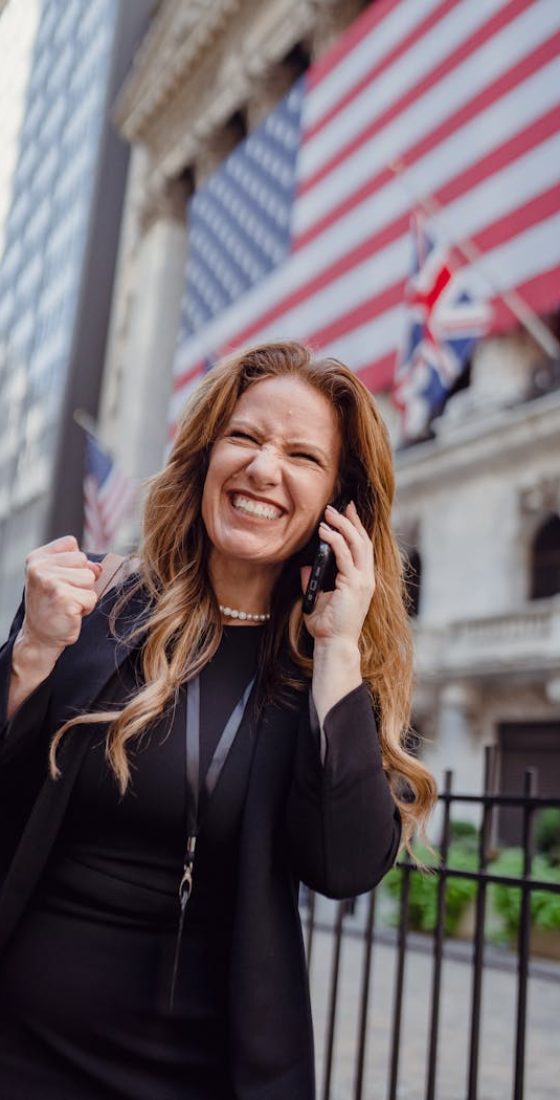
(368,932)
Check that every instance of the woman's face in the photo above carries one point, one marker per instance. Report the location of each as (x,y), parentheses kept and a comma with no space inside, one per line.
(271,472)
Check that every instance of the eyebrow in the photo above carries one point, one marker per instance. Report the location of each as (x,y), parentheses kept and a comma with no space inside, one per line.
(299,444)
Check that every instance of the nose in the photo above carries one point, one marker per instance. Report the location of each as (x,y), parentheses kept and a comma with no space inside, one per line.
(265,467)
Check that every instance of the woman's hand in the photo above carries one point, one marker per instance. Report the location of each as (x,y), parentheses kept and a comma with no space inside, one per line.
(59,582)
(339,615)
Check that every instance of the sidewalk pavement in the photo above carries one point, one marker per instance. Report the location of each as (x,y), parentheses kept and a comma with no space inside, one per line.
(497,1032)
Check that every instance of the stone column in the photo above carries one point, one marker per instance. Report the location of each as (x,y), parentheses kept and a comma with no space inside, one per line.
(125,292)
(457,746)
(140,433)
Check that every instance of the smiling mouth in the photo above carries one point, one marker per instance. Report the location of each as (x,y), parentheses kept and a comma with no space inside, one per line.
(248,507)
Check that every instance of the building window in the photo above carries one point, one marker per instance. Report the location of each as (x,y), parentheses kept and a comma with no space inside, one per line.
(545,565)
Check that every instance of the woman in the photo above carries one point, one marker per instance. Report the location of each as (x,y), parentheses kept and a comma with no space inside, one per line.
(114,981)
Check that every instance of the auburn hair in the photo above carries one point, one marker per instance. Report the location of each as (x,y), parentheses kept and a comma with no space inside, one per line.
(181,628)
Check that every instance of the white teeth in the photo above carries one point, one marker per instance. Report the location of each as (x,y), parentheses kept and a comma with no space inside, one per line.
(255,507)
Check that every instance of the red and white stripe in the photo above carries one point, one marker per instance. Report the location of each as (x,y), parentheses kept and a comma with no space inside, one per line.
(105,509)
(465,97)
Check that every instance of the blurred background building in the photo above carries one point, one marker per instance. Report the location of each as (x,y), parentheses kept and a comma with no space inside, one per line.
(280,152)
(62,191)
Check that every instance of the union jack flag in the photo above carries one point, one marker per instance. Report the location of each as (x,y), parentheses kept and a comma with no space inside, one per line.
(304,231)
(443,326)
(109,498)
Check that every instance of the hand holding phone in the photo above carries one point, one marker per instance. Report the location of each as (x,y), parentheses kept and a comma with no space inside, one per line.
(323,569)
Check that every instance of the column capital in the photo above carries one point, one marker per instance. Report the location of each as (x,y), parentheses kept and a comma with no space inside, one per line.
(164,200)
(332,18)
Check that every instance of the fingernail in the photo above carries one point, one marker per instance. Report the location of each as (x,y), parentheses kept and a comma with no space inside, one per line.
(330,508)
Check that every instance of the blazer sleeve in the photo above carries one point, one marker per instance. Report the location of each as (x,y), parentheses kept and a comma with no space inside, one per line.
(19,733)
(343,824)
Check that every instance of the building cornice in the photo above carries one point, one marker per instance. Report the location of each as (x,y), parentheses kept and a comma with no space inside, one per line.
(487,441)
(171,101)
(177,40)
(201,62)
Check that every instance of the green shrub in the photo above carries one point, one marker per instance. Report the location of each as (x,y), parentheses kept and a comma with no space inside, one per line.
(423,893)
(463,830)
(547,833)
(506,900)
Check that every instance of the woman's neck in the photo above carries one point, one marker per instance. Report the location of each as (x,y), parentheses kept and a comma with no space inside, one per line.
(241,585)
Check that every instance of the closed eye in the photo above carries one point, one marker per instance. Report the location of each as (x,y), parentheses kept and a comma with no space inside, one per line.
(242,435)
(309,457)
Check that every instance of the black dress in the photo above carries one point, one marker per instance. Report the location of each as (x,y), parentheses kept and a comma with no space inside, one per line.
(84,988)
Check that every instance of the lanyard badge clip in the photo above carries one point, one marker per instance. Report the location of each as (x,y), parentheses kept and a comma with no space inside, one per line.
(186,883)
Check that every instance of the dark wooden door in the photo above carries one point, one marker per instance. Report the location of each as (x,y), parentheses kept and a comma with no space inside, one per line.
(526,745)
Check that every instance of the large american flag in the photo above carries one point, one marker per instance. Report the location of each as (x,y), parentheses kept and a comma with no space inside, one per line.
(303,232)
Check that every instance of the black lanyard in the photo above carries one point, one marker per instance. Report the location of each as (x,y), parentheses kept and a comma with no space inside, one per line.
(193,783)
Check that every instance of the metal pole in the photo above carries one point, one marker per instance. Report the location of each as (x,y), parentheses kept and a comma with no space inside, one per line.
(438,944)
(480,918)
(529,790)
(364,1000)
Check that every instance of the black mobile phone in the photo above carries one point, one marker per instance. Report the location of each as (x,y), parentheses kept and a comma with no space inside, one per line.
(323,563)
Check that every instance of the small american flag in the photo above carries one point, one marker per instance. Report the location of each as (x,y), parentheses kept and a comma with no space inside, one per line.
(109,498)
(304,231)
(443,326)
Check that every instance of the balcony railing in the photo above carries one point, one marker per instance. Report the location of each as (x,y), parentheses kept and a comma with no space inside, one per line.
(524,639)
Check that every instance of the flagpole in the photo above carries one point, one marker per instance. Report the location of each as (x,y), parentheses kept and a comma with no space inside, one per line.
(85,421)
(526,316)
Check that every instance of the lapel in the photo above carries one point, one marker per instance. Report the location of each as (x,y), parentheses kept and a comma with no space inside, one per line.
(81,674)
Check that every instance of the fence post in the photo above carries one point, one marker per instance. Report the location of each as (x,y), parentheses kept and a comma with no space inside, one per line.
(341,913)
(364,1002)
(529,792)
(438,941)
(490,757)
(399,980)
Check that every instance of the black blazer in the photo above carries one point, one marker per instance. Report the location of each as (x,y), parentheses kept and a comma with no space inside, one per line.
(333,826)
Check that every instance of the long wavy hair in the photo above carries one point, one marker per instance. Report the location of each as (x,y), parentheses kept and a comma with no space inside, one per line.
(181,627)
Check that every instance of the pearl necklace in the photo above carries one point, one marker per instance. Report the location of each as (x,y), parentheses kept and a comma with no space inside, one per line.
(231,613)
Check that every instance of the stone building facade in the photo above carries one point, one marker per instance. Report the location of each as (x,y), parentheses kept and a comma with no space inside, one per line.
(471,500)
(480,505)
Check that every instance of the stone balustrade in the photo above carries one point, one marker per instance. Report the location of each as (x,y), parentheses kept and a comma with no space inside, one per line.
(517,641)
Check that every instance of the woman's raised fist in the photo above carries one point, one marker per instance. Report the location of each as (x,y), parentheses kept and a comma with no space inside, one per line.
(59,582)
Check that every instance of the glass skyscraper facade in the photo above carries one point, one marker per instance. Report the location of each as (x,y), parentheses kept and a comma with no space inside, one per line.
(48,232)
